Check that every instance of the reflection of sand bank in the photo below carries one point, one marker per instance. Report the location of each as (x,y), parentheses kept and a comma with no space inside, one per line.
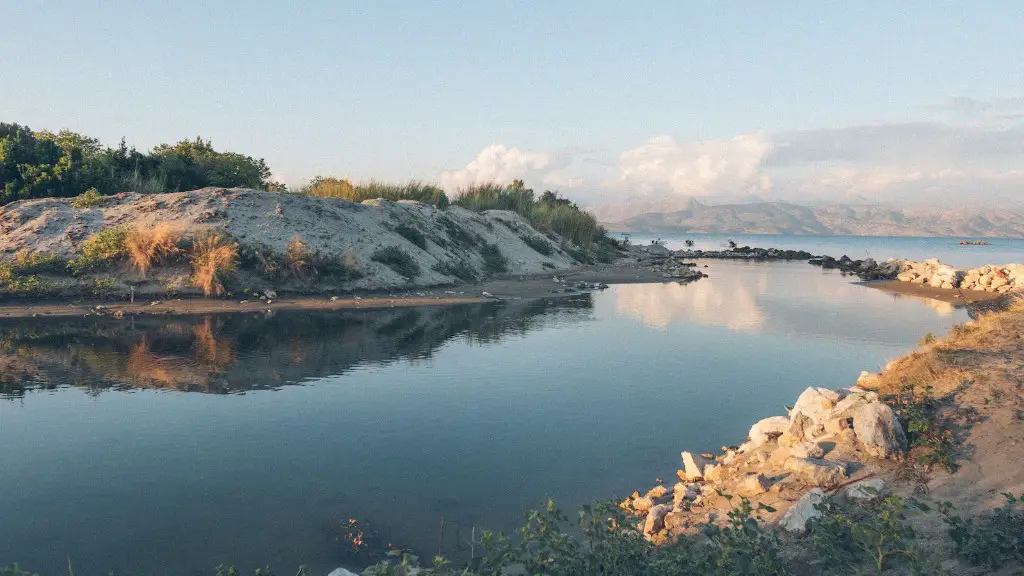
(940,307)
(704,302)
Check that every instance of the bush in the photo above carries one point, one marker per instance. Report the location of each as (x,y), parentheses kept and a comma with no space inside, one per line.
(101,250)
(146,247)
(993,539)
(344,189)
(213,256)
(462,270)
(458,234)
(876,533)
(494,261)
(920,414)
(398,260)
(413,235)
(88,199)
(539,245)
(26,262)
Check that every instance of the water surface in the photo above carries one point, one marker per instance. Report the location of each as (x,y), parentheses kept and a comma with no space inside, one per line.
(167,446)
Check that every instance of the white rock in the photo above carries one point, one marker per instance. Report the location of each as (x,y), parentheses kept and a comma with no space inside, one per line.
(694,465)
(795,519)
(863,490)
(815,403)
(807,450)
(759,432)
(816,471)
(878,431)
(655,521)
(342,572)
(753,485)
(269,294)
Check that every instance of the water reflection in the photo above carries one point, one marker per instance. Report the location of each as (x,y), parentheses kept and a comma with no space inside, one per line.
(237,352)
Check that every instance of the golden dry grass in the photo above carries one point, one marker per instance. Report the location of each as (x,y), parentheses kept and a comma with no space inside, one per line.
(300,259)
(147,247)
(212,256)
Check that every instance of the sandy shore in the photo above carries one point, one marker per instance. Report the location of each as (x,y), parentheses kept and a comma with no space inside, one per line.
(520,287)
(954,296)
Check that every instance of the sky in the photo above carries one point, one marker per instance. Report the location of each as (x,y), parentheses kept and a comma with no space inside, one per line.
(823,101)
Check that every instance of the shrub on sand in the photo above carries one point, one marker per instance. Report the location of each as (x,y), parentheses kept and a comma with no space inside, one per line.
(146,247)
(213,256)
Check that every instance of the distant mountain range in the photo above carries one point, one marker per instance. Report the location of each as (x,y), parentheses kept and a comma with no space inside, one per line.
(689,215)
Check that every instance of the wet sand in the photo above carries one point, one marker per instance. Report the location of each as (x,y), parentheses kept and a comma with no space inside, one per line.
(953,296)
(522,287)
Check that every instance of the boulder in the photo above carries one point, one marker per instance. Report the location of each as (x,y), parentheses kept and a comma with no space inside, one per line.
(878,431)
(868,380)
(269,294)
(807,450)
(863,490)
(342,572)
(816,471)
(795,519)
(657,492)
(815,403)
(655,521)
(694,465)
(753,485)
(683,491)
(642,504)
(763,430)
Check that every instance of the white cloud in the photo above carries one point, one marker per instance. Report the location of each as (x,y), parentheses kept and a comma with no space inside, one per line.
(499,163)
(662,165)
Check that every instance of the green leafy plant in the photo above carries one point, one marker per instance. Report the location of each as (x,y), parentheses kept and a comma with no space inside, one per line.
(398,260)
(928,338)
(101,250)
(920,413)
(494,261)
(88,199)
(993,539)
(875,534)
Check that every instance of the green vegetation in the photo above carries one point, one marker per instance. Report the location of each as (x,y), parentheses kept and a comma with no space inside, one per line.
(88,199)
(540,245)
(39,164)
(994,539)
(462,270)
(346,190)
(101,251)
(929,431)
(494,261)
(928,338)
(398,260)
(458,234)
(547,213)
(413,235)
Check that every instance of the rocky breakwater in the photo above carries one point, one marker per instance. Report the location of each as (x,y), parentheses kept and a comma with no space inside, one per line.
(745,253)
(867,269)
(669,264)
(988,278)
(831,443)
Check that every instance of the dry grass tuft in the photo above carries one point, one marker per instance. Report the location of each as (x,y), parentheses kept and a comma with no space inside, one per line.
(300,259)
(213,256)
(148,247)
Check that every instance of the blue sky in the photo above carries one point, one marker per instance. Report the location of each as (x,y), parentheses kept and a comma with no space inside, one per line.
(603,100)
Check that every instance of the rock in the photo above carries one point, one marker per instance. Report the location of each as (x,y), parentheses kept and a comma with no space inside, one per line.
(815,403)
(816,471)
(269,294)
(341,572)
(655,521)
(795,519)
(713,472)
(334,298)
(753,485)
(682,491)
(657,492)
(642,504)
(693,466)
(863,490)
(764,430)
(878,431)
(487,294)
(808,450)
(868,380)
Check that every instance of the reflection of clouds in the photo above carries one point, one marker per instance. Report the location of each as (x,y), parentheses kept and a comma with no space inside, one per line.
(704,302)
(940,307)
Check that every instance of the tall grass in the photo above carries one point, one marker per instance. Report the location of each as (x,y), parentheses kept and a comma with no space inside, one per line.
(549,213)
(148,246)
(213,256)
(346,190)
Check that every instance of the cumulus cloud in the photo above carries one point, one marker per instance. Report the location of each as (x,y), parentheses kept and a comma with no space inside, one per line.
(663,165)
(499,163)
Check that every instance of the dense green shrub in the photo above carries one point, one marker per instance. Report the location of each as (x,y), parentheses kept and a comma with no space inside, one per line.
(88,199)
(346,190)
(398,260)
(993,539)
(494,261)
(874,533)
(101,250)
(928,430)
(540,245)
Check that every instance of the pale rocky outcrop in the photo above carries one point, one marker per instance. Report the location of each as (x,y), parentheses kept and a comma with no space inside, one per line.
(863,490)
(816,471)
(694,466)
(655,521)
(878,430)
(988,278)
(795,519)
(815,403)
(763,430)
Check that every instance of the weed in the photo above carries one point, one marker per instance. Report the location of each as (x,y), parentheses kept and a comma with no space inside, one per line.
(547,213)
(14,570)
(458,234)
(398,260)
(462,270)
(494,261)
(101,251)
(875,533)
(578,254)
(548,265)
(540,245)
(100,287)
(413,235)
(929,338)
(919,411)
(28,262)
(88,199)
(300,260)
(993,539)
(213,256)
(147,247)
(344,189)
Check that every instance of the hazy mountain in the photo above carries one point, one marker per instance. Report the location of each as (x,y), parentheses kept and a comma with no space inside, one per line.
(786,218)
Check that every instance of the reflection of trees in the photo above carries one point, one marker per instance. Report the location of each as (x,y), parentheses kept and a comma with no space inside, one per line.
(236,352)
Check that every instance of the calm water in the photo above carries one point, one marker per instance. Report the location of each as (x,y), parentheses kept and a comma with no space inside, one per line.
(881,248)
(167,446)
